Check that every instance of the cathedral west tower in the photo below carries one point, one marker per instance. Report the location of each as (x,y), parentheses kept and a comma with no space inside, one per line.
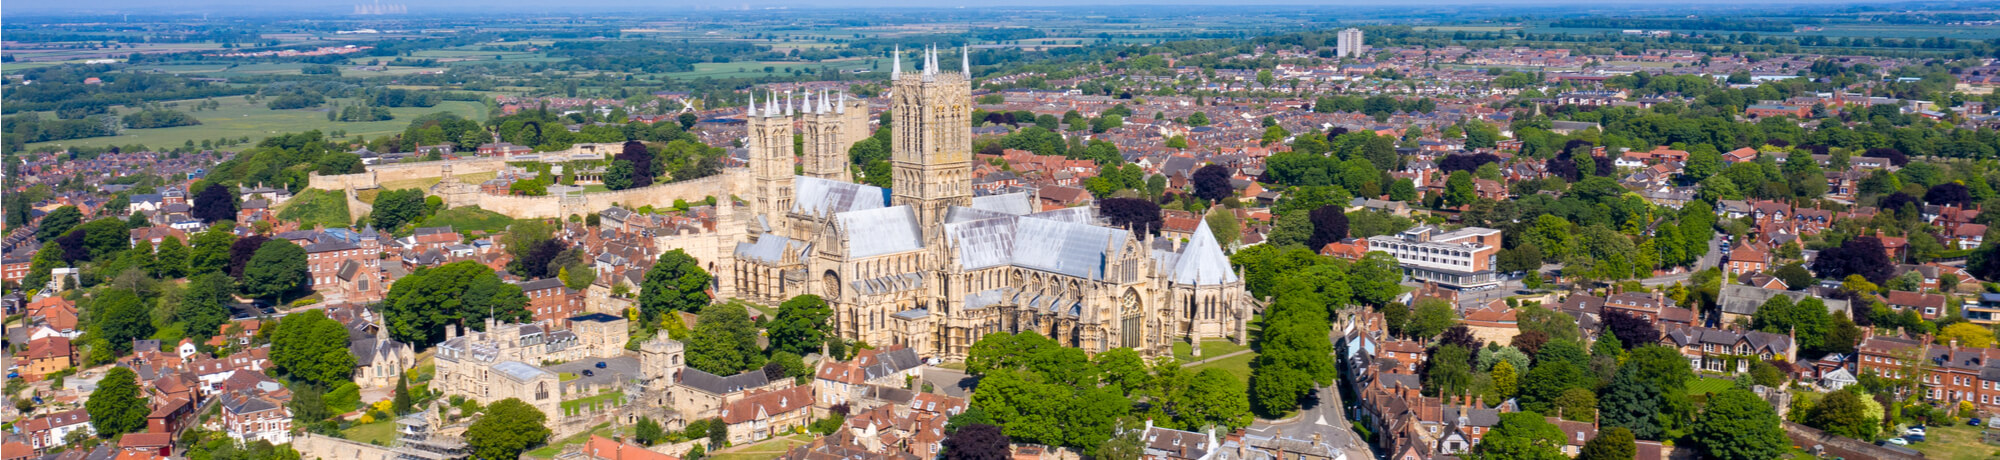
(771,159)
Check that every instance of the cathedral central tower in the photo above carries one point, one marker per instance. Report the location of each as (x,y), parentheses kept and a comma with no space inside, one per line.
(932,147)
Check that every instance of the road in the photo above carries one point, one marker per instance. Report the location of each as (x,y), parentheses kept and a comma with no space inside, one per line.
(1323,416)
(1320,417)
(1712,259)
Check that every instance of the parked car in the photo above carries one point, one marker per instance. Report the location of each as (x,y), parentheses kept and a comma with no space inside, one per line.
(1972,421)
(1895,442)
(1914,438)
(1914,430)
(600,364)
(588,373)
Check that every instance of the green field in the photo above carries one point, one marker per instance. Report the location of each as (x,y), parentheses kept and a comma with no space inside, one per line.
(238,118)
(752,69)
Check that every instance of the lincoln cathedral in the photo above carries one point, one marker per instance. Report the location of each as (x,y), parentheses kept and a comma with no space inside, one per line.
(928,265)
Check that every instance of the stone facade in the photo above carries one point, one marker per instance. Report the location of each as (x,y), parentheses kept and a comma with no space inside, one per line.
(494,364)
(930,266)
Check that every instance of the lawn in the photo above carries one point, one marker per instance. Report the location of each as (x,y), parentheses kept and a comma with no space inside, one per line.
(769,449)
(1954,442)
(1238,366)
(1209,349)
(1706,385)
(378,433)
(316,207)
(468,219)
(239,118)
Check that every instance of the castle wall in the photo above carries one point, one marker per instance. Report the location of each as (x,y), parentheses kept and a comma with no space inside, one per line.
(377,174)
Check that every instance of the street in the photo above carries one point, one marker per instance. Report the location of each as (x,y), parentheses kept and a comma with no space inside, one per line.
(1320,417)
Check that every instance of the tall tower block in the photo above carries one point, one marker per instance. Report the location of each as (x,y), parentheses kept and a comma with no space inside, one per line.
(932,143)
(771,159)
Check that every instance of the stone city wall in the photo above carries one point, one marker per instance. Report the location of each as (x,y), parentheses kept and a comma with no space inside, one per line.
(375,175)
(719,186)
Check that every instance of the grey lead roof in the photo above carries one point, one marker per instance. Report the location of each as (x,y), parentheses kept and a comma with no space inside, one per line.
(771,248)
(1202,262)
(878,231)
(1017,203)
(1076,215)
(983,243)
(821,197)
(519,371)
(1077,250)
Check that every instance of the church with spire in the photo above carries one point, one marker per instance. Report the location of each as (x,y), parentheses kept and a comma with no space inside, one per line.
(930,265)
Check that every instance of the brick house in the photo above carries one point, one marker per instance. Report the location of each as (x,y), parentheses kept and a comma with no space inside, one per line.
(551,301)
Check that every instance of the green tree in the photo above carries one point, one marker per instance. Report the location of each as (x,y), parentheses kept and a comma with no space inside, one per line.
(1547,381)
(675,283)
(402,404)
(204,304)
(1843,413)
(58,223)
(464,293)
(393,208)
(1611,443)
(116,406)
(1459,190)
(120,317)
(211,251)
(278,268)
(1432,317)
(724,342)
(509,428)
(800,326)
(1403,190)
(311,347)
(1522,436)
(170,260)
(1505,380)
(1740,425)
(1215,397)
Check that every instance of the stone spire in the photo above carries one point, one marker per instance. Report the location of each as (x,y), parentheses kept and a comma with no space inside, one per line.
(930,63)
(788,103)
(965,61)
(822,101)
(842,106)
(751,112)
(771,105)
(896,67)
(807,106)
